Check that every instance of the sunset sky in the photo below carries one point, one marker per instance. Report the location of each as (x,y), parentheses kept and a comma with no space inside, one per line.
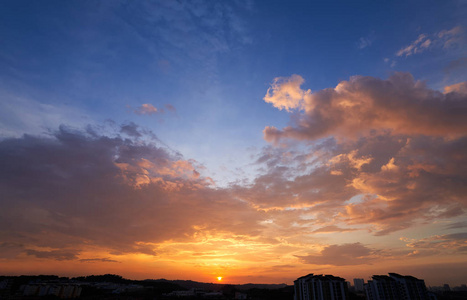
(257,141)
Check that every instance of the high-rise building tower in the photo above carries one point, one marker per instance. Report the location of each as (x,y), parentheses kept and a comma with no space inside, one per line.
(358,284)
(396,287)
(320,287)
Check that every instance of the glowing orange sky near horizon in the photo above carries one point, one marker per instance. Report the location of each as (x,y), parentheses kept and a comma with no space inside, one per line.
(247,263)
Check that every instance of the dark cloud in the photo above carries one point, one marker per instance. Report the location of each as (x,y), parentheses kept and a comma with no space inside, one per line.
(130,129)
(74,190)
(457,225)
(53,254)
(340,255)
(10,250)
(91,260)
(454,243)
(455,65)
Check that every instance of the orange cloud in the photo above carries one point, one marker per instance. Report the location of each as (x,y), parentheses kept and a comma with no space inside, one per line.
(460,87)
(363,104)
(285,93)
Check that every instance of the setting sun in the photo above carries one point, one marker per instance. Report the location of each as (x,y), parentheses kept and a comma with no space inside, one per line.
(219,278)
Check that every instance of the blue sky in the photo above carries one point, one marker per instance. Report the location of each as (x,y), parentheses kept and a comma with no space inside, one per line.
(194,75)
(212,61)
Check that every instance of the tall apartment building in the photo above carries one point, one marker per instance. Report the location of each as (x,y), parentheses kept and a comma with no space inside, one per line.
(358,284)
(396,287)
(320,287)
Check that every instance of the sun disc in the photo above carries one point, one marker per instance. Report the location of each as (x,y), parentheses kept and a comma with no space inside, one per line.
(219,278)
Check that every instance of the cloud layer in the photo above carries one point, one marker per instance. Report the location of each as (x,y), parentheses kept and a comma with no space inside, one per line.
(371,157)
(79,189)
(386,153)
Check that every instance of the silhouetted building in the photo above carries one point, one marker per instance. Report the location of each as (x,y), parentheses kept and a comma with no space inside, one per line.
(320,287)
(396,287)
(65,291)
(358,284)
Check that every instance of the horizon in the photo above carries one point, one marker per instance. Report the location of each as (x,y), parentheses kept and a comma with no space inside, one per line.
(256,141)
(350,281)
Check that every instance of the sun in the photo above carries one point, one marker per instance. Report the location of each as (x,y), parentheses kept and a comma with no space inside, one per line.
(219,278)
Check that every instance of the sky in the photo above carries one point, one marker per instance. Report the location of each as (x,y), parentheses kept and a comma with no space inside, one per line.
(258,141)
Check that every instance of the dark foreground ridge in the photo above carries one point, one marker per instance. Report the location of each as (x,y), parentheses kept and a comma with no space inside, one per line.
(109,286)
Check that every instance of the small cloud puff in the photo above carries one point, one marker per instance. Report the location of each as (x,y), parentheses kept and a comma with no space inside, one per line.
(149,109)
(146,109)
(285,93)
(365,42)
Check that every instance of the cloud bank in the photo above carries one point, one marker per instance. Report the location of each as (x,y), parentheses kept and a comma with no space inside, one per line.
(370,157)
(79,189)
(385,153)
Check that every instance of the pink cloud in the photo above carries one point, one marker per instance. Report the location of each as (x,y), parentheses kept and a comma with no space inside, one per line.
(147,109)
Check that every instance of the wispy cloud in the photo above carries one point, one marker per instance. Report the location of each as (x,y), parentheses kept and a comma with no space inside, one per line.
(453,243)
(53,254)
(444,39)
(417,46)
(92,260)
(365,41)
